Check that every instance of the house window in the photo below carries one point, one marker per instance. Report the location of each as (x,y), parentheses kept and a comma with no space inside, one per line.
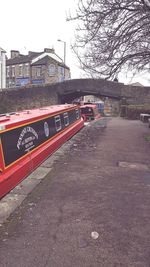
(26,69)
(61,70)
(13,71)
(20,70)
(51,70)
(66,119)
(77,114)
(57,123)
(38,71)
(7,71)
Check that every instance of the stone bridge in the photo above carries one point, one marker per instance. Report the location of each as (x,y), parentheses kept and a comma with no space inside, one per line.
(69,90)
(14,99)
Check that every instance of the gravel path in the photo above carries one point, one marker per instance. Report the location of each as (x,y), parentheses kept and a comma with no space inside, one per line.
(101,184)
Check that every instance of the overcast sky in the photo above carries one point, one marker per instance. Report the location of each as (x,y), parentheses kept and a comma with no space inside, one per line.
(32,25)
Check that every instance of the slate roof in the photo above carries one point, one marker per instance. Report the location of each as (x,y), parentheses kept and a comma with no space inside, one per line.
(44,61)
(22,58)
(1,49)
(136,84)
(41,61)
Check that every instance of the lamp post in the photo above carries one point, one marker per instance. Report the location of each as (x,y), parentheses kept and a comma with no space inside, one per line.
(2,69)
(64,54)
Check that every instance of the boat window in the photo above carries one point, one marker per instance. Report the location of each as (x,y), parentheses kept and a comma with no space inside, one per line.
(87,110)
(66,119)
(57,123)
(77,113)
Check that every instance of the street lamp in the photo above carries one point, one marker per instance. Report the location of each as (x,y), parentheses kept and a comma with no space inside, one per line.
(64,49)
(64,54)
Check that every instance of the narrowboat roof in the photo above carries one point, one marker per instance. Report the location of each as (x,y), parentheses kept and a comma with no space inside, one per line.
(89,106)
(17,119)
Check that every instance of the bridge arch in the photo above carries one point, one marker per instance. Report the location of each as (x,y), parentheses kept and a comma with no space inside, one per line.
(71,89)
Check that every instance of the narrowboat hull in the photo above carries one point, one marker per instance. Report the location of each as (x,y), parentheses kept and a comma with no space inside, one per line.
(27,144)
(90,112)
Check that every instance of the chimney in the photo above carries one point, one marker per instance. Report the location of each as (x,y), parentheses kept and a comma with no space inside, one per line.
(49,50)
(14,53)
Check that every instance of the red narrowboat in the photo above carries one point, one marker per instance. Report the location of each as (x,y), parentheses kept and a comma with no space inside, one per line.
(28,137)
(90,112)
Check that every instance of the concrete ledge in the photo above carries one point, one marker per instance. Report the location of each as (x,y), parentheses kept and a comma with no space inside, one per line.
(8,204)
(144,117)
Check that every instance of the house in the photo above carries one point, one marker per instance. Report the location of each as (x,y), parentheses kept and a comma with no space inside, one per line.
(136,84)
(2,69)
(35,68)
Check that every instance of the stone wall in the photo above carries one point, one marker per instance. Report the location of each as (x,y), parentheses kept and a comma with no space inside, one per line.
(42,95)
(26,98)
(136,94)
(133,112)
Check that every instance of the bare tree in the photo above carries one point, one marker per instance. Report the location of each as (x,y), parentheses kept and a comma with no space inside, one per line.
(111,35)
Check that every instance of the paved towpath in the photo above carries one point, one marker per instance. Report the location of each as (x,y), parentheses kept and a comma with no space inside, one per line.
(100,184)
